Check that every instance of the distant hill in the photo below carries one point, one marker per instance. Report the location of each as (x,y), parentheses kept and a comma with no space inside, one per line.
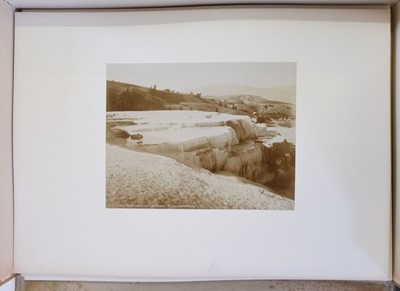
(281,94)
(245,99)
(130,97)
(252,103)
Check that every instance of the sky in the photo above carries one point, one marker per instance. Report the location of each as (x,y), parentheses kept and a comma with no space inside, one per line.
(186,77)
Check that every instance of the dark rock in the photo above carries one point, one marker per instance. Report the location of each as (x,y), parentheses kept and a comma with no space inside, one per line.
(120,133)
(136,136)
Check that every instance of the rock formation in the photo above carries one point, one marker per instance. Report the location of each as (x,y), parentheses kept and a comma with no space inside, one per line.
(213,141)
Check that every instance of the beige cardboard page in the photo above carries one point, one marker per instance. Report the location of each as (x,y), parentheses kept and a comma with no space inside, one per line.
(339,225)
(6,188)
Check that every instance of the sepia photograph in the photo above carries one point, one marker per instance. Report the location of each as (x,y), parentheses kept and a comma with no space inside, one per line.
(201,135)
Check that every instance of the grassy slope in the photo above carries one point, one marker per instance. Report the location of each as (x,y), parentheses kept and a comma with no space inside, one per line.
(129,97)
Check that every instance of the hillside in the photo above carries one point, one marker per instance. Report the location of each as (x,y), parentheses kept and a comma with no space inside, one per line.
(129,97)
(285,94)
(266,109)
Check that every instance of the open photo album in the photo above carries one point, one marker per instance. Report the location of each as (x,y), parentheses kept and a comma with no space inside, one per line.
(211,143)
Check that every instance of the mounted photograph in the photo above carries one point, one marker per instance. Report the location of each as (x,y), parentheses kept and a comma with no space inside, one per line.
(201,135)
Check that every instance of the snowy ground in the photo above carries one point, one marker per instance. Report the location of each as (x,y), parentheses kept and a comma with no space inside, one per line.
(289,133)
(279,134)
(144,180)
(183,118)
(190,130)
(185,130)
(187,139)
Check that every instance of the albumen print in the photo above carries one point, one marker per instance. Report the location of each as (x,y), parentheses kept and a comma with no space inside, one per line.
(201,135)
